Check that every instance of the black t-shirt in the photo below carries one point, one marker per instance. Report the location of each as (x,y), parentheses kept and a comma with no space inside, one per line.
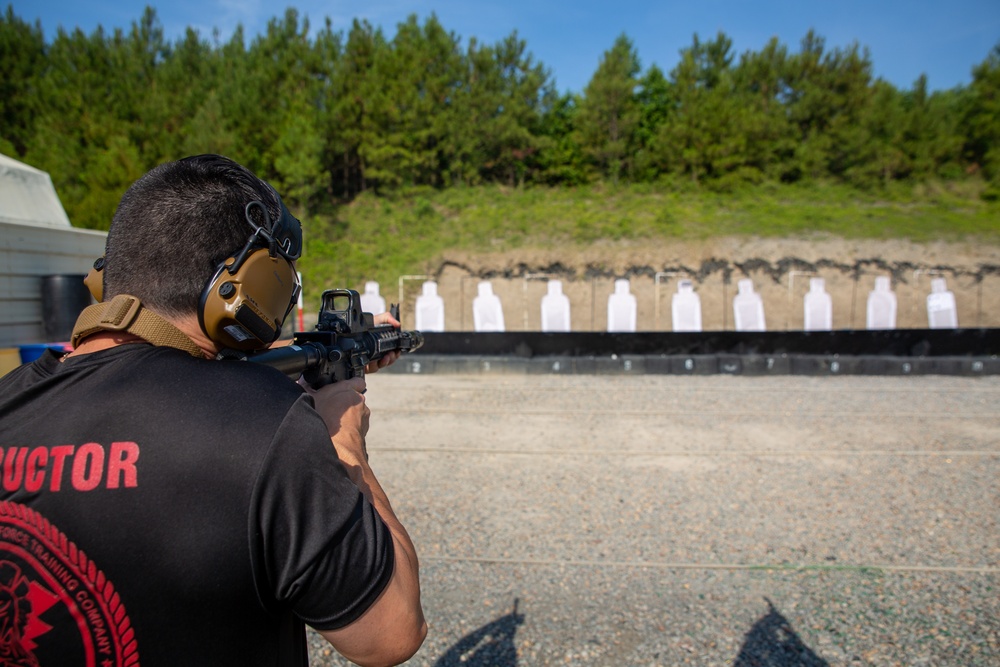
(168,510)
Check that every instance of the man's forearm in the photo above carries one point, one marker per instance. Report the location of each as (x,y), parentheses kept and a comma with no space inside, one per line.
(394,627)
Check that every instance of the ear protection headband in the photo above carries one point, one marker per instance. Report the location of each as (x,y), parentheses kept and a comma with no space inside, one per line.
(245,303)
(251,293)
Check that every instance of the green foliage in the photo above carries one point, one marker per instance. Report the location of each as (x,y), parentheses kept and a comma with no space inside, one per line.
(297,157)
(609,110)
(561,158)
(115,168)
(495,118)
(711,129)
(983,118)
(22,52)
(354,128)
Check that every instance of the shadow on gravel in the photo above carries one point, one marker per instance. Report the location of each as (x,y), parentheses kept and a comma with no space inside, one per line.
(772,642)
(490,646)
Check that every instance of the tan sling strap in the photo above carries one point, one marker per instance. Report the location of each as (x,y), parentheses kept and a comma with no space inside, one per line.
(125,313)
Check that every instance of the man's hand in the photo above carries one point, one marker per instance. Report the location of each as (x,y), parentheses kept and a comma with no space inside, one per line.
(342,406)
(391,357)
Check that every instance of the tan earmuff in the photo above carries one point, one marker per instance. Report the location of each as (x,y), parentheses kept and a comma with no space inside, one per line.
(95,280)
(244,310)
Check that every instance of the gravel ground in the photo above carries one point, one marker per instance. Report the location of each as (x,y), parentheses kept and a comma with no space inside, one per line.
(717,520)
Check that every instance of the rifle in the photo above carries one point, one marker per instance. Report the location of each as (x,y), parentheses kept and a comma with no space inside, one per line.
(344,342)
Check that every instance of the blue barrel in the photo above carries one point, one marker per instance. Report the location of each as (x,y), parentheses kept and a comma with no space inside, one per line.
(31,352)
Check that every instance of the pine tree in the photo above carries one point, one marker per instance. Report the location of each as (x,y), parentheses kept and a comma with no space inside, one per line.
(982,120)
(609,111)
(22,57)
(656,99)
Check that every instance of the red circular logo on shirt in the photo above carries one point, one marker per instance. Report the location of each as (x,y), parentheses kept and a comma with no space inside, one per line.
(56,607)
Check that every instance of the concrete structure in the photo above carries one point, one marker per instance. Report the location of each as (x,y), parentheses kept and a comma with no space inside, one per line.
(36,240)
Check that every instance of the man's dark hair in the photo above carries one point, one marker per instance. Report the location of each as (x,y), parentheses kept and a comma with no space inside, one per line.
(175,225)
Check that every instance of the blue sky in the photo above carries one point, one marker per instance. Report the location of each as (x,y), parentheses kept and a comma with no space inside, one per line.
(906,38)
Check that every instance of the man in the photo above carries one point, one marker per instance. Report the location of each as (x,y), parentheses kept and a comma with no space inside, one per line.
(163,507)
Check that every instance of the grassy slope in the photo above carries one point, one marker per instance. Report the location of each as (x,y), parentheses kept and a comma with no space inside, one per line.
(380,238)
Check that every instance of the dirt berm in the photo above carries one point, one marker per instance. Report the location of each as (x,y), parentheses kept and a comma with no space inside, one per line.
(780,270)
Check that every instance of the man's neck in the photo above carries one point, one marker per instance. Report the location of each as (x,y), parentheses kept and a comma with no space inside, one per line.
(104,340)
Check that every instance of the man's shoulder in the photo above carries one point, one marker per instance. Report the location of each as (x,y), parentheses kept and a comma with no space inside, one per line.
(181,362)
(251,381)
(172,375)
